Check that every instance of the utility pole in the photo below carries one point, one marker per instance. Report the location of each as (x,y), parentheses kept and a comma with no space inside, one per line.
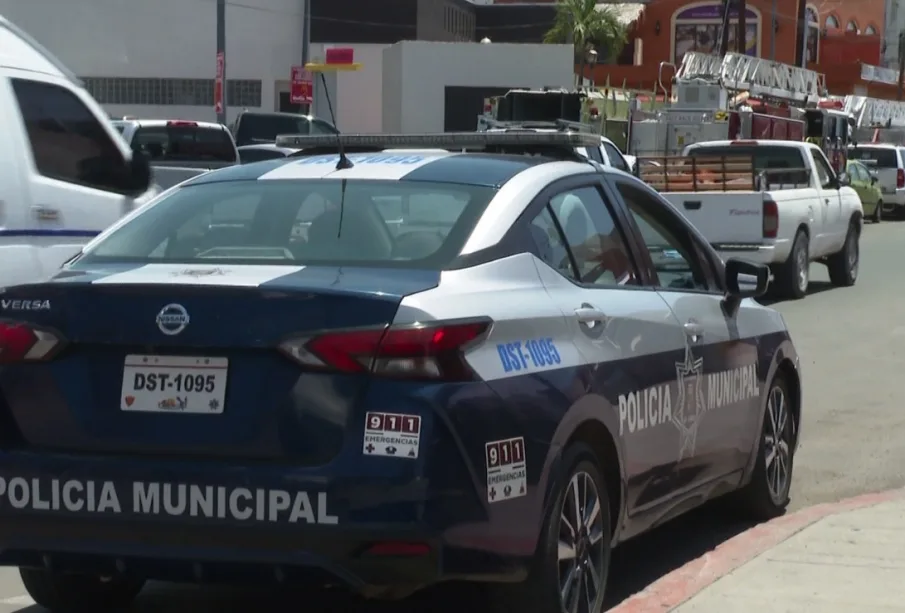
(802,56)
(773,33)
(901,54)
(741,39)
(221,49)
(724,28)
(306,44)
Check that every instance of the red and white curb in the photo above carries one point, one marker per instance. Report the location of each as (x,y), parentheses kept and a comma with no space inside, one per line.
(682,584)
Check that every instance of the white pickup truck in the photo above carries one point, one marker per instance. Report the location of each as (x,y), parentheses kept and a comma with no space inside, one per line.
(774,202)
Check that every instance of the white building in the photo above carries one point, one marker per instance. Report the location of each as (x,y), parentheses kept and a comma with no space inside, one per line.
(158,59)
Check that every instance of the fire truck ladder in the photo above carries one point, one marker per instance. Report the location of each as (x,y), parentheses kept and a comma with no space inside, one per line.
(875,112)
(737,72)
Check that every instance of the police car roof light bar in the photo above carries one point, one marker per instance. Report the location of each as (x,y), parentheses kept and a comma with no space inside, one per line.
(447,140)
(738,72)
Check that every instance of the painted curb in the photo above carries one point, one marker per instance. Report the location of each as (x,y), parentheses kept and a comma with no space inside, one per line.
(685,582)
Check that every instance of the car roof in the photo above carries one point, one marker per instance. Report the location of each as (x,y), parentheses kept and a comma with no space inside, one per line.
(268,147)
(482,169)
(161,123)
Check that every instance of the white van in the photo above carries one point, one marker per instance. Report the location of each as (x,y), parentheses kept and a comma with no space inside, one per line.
(65,172)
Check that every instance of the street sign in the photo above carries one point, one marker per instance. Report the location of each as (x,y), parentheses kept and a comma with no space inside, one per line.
(301,86)
(218,83)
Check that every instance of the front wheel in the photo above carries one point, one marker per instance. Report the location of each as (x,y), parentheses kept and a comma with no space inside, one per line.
(878,212)
(767,494)
(843,265)
(72,593)
(572,563)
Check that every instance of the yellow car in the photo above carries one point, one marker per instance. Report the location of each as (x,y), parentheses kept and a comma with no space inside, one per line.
(864,182)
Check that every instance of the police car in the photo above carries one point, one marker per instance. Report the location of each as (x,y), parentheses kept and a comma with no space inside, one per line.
(418,359)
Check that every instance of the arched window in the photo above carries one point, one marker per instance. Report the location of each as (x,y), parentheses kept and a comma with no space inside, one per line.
(813,34)
(696,27)
(870,30)
(851,26)
(832,23)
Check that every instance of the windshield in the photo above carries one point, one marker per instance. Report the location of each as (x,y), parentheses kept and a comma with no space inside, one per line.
(333,222)
(184,143)
(881,158)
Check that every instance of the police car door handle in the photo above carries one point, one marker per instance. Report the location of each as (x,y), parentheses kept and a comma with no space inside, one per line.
(693,329)
(588,314)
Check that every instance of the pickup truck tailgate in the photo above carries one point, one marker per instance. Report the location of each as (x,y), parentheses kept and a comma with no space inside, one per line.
(723,217)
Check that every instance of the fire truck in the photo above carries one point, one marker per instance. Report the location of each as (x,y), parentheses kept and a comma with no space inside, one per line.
(740,97)
(879,121)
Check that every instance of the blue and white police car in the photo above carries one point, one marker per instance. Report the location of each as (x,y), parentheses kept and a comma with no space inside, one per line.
(397,361)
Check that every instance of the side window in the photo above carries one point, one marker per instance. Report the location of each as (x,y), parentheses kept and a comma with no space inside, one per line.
(616,159)
(67,141)
(550,246)
(592,153)
(857,173)
(672,250)
(824,173)
(595,242)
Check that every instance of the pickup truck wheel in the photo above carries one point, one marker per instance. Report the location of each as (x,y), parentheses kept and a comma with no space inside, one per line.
(65,593)
(843,266)
(792,278)
(878,212)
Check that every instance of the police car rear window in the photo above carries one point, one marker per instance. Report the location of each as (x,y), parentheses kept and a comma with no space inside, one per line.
(882,158)
(184,143)
(358,222)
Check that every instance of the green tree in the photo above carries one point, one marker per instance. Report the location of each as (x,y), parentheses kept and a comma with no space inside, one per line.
(587,25)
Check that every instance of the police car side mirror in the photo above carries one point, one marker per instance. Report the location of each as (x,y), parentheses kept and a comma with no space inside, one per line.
(744,279)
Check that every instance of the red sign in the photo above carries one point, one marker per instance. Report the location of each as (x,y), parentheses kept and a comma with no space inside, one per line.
(339,55)
(218,83)
(301,86)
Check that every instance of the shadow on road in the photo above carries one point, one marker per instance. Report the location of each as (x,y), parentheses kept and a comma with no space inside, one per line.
(814,287)
(636,565)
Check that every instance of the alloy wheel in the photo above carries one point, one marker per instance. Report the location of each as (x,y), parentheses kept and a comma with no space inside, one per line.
(777,445)
(581,551)
(801,259)
(852,256)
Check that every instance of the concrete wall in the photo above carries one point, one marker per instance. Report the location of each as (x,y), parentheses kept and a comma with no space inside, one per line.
(415,74)
(166,39)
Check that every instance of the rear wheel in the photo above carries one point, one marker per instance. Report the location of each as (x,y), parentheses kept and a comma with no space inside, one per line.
(573,558)
(792,277)
(767,494)
(71,593)
(843,265)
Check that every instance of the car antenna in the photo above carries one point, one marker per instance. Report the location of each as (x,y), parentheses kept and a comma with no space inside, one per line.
(343,162)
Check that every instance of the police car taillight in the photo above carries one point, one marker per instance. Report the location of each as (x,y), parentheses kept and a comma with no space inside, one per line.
(21,342)
(434,351)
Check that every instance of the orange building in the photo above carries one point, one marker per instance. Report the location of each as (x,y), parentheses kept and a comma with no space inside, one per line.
(665,29)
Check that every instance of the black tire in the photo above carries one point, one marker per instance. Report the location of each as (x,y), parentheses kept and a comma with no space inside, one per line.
(789,281)
(878,213)
(64,593)
(765,496)
(541,592)
(843,265)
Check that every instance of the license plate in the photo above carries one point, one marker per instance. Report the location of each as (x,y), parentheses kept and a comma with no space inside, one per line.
(174,384)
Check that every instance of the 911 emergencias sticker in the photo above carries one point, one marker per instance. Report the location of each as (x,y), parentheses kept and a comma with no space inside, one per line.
(505,469)
(392,435)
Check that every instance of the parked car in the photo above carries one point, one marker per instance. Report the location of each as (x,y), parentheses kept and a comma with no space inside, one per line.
(889,163)
(865,181)
(257,127)
(264,151)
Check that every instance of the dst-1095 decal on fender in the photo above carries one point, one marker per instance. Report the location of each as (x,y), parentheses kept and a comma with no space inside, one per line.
(657,405)
(530,354)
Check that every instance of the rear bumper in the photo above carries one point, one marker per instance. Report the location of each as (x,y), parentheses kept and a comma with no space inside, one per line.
(773,253)
(181,523)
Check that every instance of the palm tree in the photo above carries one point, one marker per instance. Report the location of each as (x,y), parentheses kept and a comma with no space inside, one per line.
(585,24)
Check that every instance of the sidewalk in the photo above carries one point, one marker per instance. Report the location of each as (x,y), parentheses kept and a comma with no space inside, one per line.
(840,557)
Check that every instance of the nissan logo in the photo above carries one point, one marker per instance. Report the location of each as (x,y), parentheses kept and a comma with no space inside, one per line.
(172,319)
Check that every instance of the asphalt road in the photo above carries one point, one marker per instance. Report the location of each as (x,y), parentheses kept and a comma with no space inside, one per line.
(852,344)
